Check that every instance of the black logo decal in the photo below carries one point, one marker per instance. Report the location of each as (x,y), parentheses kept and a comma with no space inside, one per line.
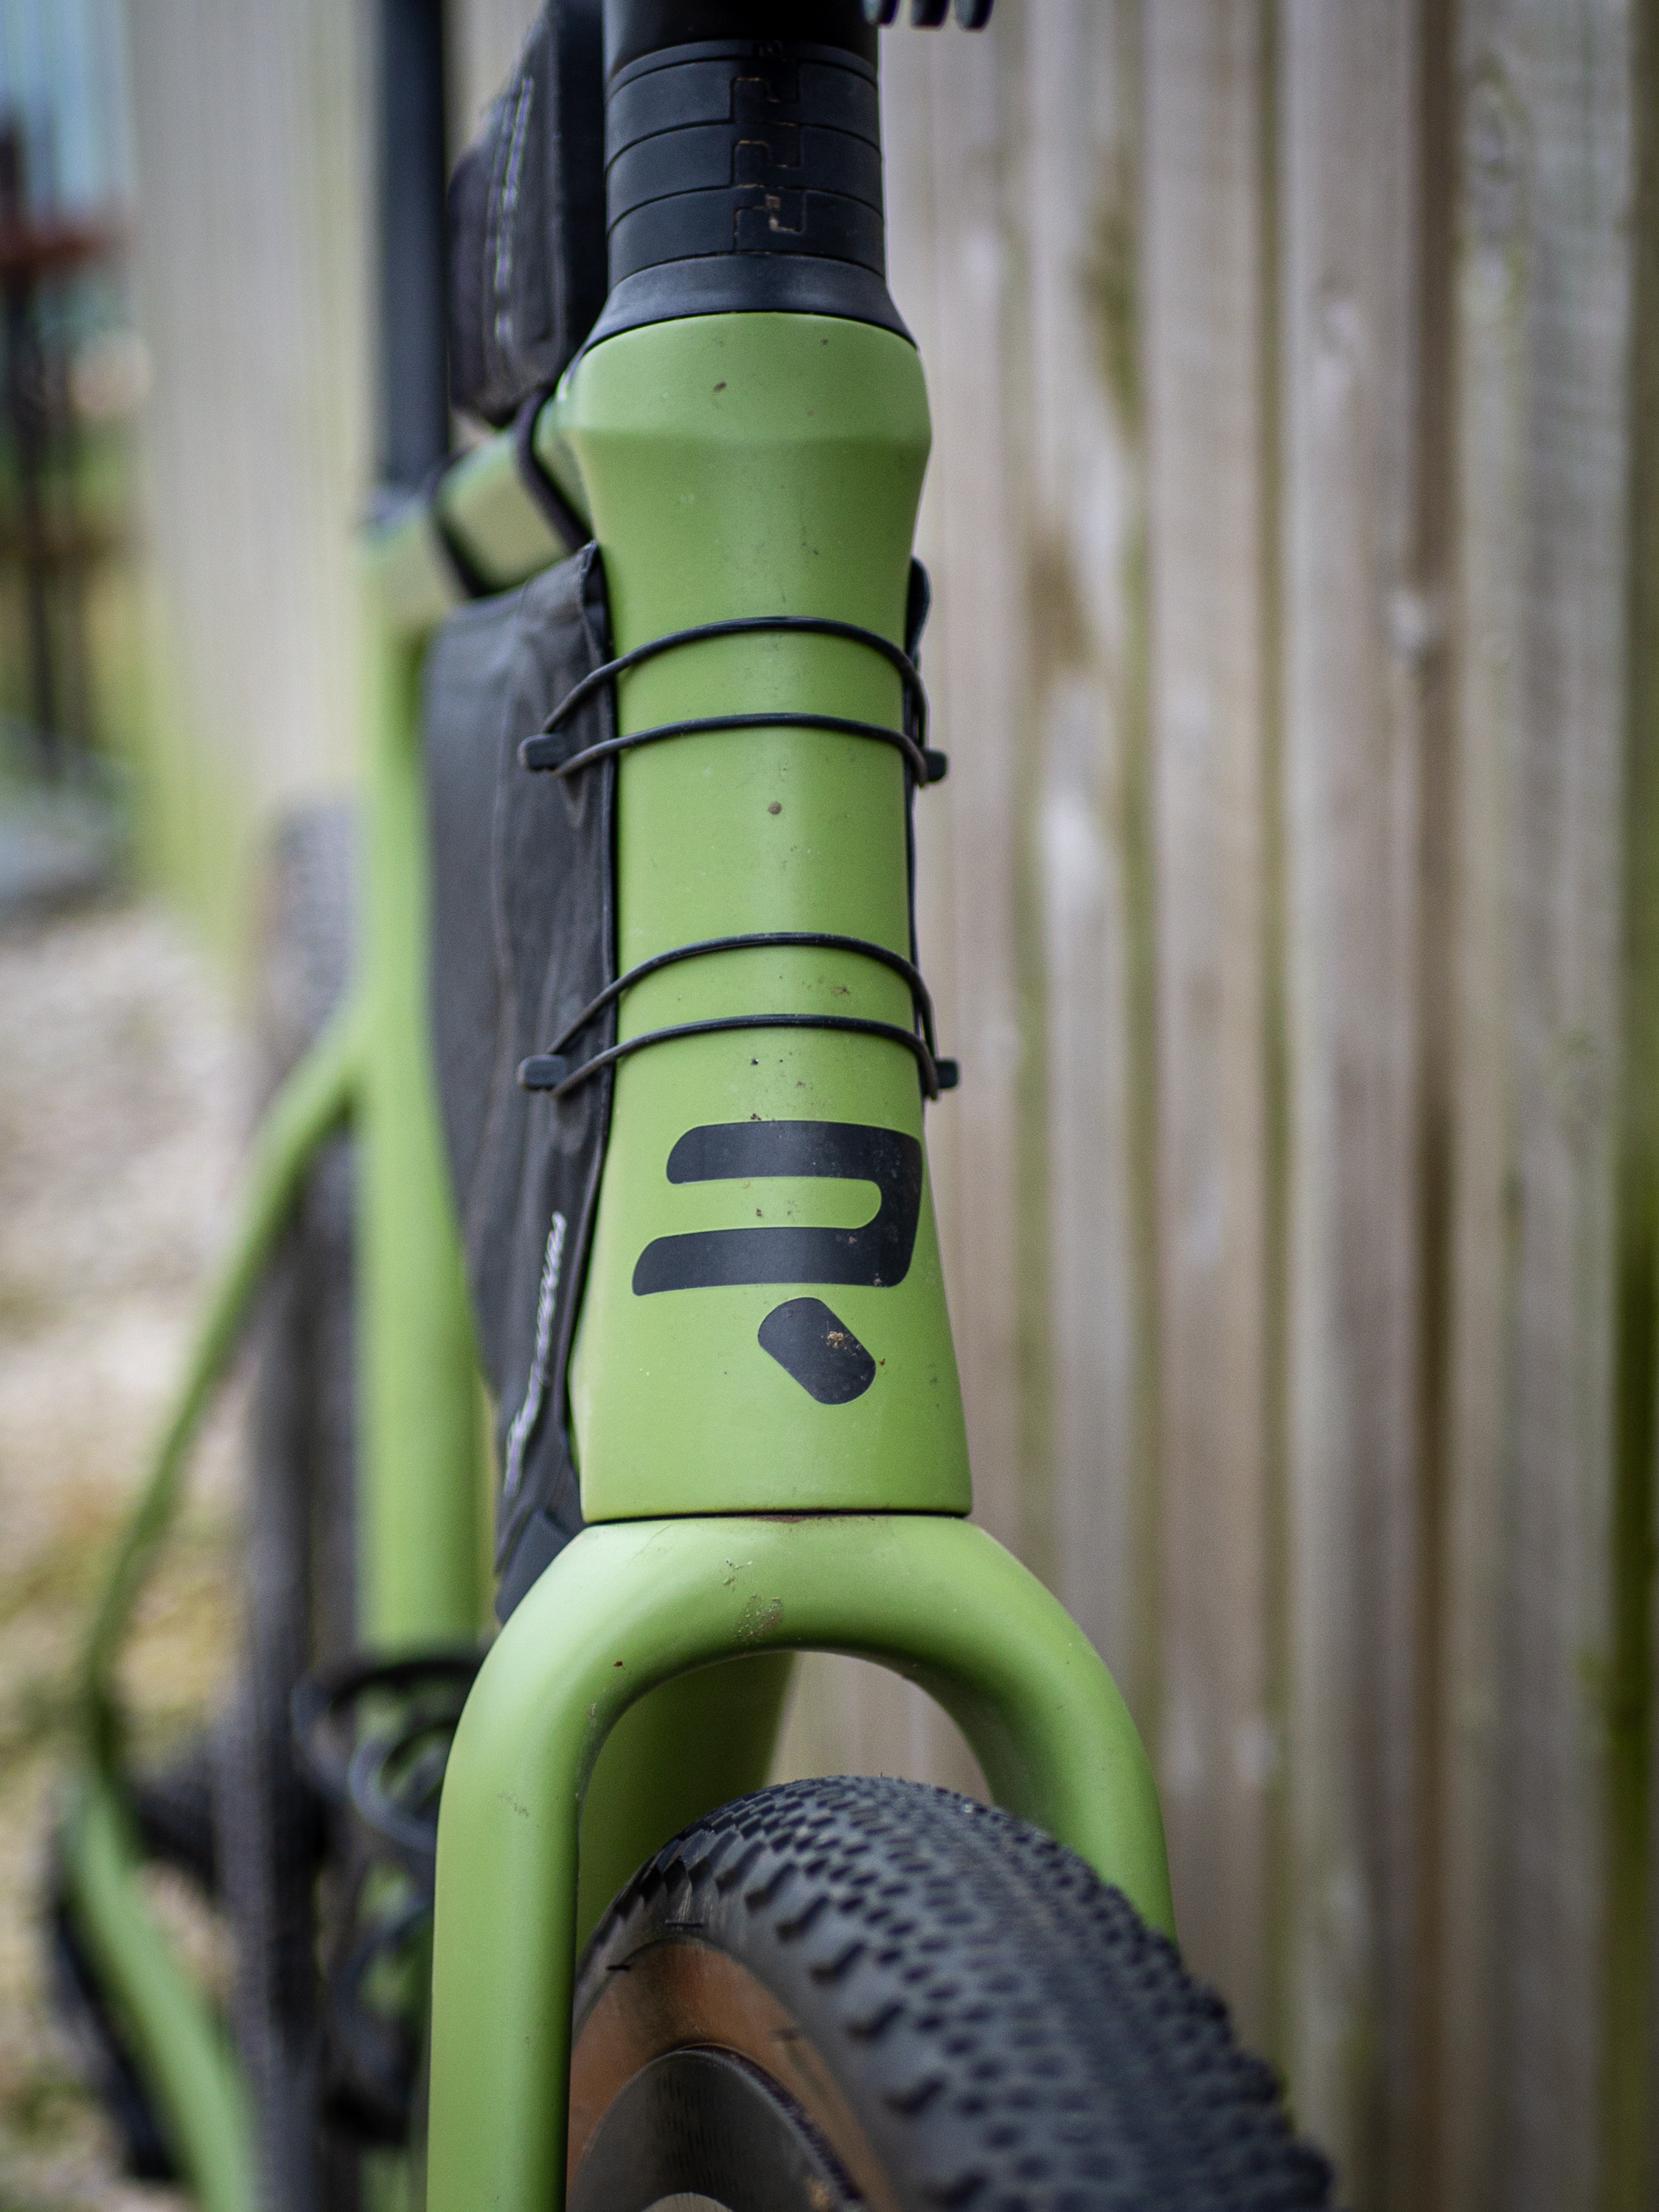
(816,1346)
(877,1254)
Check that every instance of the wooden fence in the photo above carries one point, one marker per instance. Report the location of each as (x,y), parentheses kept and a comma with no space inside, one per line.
(1292,903)
(1292,906)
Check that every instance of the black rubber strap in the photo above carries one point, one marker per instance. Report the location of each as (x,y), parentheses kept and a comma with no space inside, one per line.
(744,625)
(542,751)
(862,945)
(549,1072)
(538,480)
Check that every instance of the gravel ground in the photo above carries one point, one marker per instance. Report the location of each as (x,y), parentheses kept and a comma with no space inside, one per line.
(123,1087)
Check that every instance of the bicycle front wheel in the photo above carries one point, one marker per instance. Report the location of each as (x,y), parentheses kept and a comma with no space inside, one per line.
(853,1992)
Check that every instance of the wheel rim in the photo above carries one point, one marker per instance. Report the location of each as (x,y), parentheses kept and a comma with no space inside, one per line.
(683,2001)
(703,2128)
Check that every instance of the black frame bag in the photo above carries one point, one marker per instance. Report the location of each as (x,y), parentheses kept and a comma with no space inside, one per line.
(526,221)
(522,938)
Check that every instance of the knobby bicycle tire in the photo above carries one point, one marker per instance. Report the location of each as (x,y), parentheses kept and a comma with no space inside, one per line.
(854,1991)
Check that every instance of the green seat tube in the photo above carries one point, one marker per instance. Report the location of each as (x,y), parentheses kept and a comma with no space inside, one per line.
(735,465)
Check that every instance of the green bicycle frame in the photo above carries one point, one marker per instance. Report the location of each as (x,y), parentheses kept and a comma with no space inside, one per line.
(730,466)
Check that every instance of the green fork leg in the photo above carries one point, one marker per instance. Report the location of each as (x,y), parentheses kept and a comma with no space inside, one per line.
(631,1605)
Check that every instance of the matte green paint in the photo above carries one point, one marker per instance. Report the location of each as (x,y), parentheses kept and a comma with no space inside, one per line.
(489,510)
(418,1450)
(176,2044)
(633,1604)
(187,2066)
(771,465)
(411,583)
(422,1580)
(487,505)
(314,1101)
(742,465)
(696,1742)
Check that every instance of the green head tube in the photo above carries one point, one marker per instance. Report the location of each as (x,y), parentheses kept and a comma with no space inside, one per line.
(740,466)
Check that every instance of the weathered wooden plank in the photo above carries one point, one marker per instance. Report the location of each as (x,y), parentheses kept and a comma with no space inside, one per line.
(1352,628)
(1631,2012)
(847,1717)
(1491,551)
(949,271)
(1543,319)
(944,106)
(1207,323)
(1090,1110)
